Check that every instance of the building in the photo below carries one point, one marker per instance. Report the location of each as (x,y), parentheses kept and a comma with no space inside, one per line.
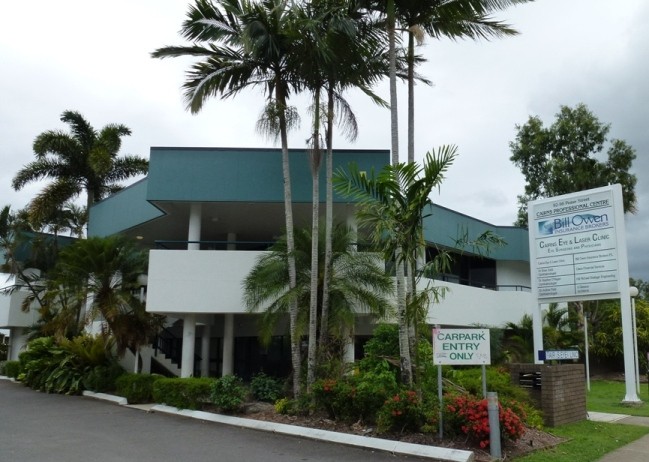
(207,214)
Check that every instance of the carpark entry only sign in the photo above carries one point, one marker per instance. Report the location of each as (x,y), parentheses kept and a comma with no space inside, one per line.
(461,346)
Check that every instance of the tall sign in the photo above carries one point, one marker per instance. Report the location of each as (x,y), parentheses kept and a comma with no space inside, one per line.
(574,242)
(578,252)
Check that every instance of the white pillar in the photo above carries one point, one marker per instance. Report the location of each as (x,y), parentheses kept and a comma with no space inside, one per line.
(228,344)
(348,354)
(231,238)
(194,232)
(189,339)
(205,351)
(352,224)
(627,343)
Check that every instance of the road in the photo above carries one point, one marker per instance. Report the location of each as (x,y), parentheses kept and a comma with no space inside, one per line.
(38,427)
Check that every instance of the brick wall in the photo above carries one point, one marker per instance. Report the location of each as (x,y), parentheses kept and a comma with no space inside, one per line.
(562,392)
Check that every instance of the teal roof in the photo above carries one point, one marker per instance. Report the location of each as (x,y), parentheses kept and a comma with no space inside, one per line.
(242,174)
(445,226)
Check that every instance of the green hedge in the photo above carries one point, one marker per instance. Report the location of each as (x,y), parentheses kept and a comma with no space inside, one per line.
(11,369)
(136,388)
(187,393)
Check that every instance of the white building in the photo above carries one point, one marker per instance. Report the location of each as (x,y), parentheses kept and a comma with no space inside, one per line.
(207,214)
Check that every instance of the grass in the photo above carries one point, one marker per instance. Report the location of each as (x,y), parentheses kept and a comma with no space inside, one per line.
(607,396)
(588,441)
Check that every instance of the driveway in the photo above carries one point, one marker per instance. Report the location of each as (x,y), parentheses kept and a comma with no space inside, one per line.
(38,427)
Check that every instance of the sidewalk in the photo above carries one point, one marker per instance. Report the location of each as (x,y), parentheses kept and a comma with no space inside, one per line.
(638,451)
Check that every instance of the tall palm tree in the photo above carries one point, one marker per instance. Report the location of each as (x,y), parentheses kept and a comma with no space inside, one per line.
(454,19)
(83,160)
(245,44)
(358,282)
(391,208)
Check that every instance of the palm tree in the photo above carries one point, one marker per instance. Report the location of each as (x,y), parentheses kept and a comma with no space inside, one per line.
(105,271)
(391,208)
(83,160)
(358,282)
(245,44)
(452,19)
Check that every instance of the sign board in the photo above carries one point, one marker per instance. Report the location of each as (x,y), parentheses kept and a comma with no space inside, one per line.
(575,243)
(558,355)
(461,346)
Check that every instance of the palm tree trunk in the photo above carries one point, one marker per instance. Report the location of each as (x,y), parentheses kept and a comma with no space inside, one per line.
(290,243)
(402,319)
(394,117)
(315,223)
(324,315)
(411,98)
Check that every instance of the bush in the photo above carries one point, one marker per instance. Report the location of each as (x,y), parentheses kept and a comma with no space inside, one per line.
(359,396)
(11,369)
(228,393)
(136,388)
(266,388)
(403,411)
(469,415)
(103,378)
(185,393)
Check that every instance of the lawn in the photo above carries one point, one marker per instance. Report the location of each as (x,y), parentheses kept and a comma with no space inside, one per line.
(589,441)
(607,396)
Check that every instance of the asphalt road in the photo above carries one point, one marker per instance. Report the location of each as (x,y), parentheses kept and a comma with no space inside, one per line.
(37,427)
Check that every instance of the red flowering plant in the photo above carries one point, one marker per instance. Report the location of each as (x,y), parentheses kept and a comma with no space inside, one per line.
(469,415)
(403,411)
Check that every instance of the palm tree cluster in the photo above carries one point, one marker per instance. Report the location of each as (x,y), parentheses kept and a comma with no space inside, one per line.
(321,47)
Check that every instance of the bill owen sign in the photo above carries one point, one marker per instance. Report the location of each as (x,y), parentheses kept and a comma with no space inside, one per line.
(575,243)
(461,346)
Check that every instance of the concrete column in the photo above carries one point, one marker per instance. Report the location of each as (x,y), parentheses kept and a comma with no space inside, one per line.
(189,339)
(348,354)
(231,238)
(205,351)
(228,344)
(194,232)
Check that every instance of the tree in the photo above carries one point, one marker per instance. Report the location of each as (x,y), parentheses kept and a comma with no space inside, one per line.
(563,158)
(83,160)
(244,44)
(391,208)
(105,271)
(358,281)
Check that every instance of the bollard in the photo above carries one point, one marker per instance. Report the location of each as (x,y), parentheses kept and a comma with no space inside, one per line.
(494,425)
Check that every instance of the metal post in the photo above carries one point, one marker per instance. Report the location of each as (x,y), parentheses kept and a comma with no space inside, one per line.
(494,425)
(440,394)
(484,381)
(586,348)
(636,356)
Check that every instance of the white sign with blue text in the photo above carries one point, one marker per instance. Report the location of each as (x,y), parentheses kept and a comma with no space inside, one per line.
(461,346)
(574,245)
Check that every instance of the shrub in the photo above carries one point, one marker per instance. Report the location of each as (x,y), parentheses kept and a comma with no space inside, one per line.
(228,393)
(359,396)
(11,369)
(103,378)
(183,393)
(136,388)
(469,415)
(266,388)
(403,411)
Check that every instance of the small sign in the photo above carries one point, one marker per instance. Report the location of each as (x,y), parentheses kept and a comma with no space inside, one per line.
(558,355)
(461,346)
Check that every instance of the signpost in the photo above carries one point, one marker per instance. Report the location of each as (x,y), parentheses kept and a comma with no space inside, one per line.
(577,253)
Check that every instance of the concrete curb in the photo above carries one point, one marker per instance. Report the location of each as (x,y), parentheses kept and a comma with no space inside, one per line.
(105,397)
(395,447)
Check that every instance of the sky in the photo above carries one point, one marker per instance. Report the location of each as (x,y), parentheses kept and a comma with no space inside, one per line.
(94,57)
